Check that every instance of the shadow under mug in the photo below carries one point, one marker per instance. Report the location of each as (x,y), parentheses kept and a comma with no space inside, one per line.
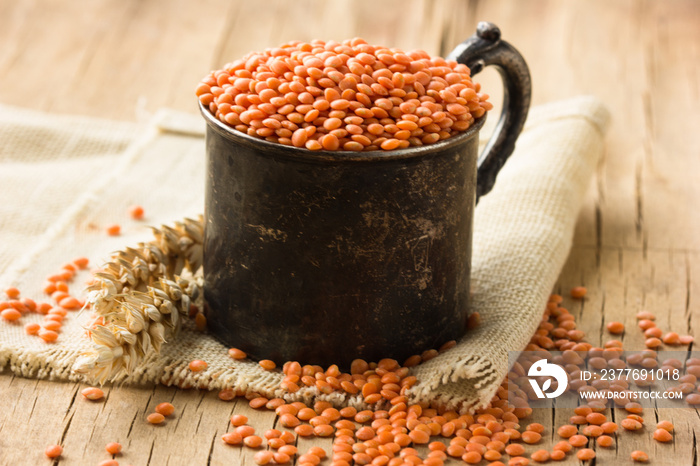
(322,257)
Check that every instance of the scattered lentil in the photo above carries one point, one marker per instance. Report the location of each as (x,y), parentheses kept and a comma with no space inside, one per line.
(198,365)
(92,393)
(238,420)
(585,454)
(113,448)
(540,456)
(604,441)
(155,418)
(113,230)
(616,328)
(267,364)
(662,435)
(665,425)
(53,451)
(166,409)
(557,455)
(235,353)
(639,456)
(232,438)
(136,212)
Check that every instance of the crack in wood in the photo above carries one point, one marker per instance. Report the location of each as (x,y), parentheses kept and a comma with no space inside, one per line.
(65,429)
(196,429)
(72,401)
(150,453)
(131,426)
(211,447)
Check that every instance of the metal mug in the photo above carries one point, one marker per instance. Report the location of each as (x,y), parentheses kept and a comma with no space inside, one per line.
(323,257)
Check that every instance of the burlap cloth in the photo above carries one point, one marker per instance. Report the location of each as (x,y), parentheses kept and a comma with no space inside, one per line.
(63,179)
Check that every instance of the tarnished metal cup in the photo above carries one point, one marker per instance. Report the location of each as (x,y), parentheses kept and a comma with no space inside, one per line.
(323,257)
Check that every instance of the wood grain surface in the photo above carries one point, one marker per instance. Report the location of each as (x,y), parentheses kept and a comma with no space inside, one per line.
(637,243)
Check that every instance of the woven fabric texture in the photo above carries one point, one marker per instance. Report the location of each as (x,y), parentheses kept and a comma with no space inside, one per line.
(64,179)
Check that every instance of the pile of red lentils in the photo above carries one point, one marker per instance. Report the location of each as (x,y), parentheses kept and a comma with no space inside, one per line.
(349,96)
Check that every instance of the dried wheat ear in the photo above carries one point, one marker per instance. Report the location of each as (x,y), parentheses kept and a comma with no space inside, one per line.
(140,297)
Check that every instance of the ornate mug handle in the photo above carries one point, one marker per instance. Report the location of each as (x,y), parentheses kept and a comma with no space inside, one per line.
(485,48)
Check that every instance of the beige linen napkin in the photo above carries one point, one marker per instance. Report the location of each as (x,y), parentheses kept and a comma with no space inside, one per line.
(64,179)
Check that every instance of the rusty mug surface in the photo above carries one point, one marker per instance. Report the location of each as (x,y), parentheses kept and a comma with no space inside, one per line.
(323,257)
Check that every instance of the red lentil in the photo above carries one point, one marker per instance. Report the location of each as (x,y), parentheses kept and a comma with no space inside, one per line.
(252,441)
(609,427)
(136,212)
(166,409)
(11,315)
(113,230)
(263,457)
(535,427)
(113,448)
(604,441)
(557,455)
(267,364)
(281,458)
(304,430)
(155,418)
(472,457)
(92,393)
(563,446)
(518,461)
(645,324)
(239,420)
(540,456)
(235,353)
(585,454)
(232,438)
(639,456)
(198,365)
(530,437)
(32,328)
(308,458)
(245,431)
(53,451)
(662,435)
(12,293)
(615,328)
(665,425)
(290,450)
(52,325)
(578,292)
(631,424)
(567,431)
(515,449)
(652,342)
(578,440)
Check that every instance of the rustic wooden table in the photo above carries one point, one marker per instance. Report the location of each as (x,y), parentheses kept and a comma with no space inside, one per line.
(637,244)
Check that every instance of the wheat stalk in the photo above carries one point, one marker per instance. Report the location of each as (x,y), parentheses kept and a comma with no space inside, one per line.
(139,298)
